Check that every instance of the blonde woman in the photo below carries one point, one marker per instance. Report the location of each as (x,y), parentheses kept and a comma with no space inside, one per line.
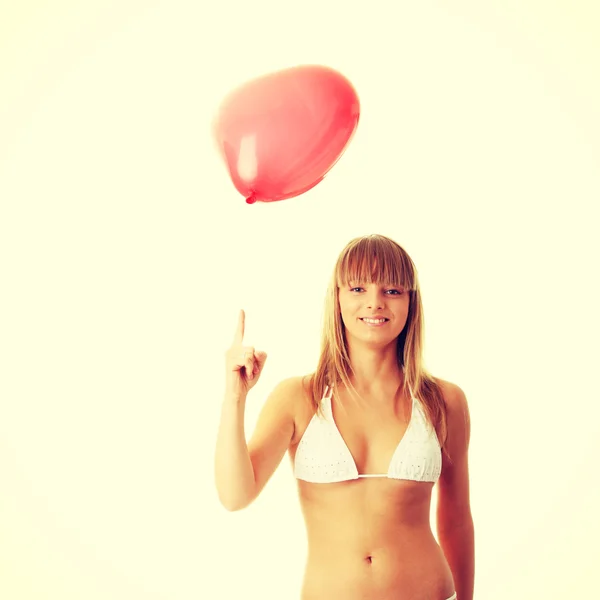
(369,434)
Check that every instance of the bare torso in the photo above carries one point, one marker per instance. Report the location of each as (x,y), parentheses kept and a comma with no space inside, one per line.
(370,539)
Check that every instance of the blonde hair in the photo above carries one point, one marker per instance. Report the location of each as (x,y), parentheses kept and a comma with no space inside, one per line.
(377,259)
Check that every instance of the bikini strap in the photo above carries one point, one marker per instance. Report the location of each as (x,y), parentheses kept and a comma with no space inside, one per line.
(410,390)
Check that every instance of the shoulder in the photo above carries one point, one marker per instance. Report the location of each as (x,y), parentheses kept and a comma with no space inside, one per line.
(457,412)
(292,387)
(279,412)
(293,395)
(454,396)
(290,394)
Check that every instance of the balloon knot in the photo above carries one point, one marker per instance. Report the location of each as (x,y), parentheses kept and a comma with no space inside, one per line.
(251,199)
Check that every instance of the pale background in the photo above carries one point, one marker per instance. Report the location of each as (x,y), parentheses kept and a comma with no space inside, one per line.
(126,253)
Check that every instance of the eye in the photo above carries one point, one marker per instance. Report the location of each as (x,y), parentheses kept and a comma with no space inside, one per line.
(395,292)
(352,289)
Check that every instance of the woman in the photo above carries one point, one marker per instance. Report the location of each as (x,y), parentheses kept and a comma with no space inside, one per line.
(369,433)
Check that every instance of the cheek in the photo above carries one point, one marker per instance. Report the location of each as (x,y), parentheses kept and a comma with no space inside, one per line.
(347,308)
(405,310)
(343,303)
(351,307)
(402,312)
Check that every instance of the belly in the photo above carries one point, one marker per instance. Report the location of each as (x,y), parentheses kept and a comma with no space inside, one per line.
(392,571)
(373,543)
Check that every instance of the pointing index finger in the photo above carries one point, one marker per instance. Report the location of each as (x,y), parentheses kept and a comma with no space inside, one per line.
(239,333)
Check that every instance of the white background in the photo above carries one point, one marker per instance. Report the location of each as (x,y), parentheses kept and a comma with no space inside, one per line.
(126,253)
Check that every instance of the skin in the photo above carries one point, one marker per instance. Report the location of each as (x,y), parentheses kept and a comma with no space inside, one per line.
(371,538)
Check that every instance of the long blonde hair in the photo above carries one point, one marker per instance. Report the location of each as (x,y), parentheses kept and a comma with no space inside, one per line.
(377,259)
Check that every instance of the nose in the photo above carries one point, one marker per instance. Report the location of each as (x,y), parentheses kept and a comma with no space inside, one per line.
(374,299)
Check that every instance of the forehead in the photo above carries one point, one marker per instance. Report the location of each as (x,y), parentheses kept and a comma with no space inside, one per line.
(372,270)
(376,260)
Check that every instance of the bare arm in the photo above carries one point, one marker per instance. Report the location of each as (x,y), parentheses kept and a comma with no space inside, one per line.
(454,520)
(234,476)
(242,470)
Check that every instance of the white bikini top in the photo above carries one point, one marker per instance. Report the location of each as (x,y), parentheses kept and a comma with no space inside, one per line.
(322,455)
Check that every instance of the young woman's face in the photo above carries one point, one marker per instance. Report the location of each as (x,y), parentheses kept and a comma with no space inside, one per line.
(373,312)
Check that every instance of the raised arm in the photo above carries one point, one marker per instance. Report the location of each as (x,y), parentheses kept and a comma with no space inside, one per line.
(241,469)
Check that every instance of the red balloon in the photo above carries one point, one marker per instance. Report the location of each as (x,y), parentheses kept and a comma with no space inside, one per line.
(280,134)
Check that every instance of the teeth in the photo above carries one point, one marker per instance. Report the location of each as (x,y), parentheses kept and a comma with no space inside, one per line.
(374,320)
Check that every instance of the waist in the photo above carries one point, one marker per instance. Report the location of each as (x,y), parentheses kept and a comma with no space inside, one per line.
(352,530)
(395,571)
(393,542)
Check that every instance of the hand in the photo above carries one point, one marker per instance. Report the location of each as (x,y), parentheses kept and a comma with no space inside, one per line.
(243,364)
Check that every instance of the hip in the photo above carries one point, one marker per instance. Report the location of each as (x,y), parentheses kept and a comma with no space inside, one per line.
(385,573)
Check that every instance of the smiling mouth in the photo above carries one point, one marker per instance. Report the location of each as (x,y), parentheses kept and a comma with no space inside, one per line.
(374,321)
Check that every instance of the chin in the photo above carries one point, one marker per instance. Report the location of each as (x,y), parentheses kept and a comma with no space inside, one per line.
(375,340)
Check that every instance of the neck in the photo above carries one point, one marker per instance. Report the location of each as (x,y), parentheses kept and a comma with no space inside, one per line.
(375,368)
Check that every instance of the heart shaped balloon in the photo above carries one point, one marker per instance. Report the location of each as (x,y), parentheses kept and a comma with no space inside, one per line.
(281,133)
